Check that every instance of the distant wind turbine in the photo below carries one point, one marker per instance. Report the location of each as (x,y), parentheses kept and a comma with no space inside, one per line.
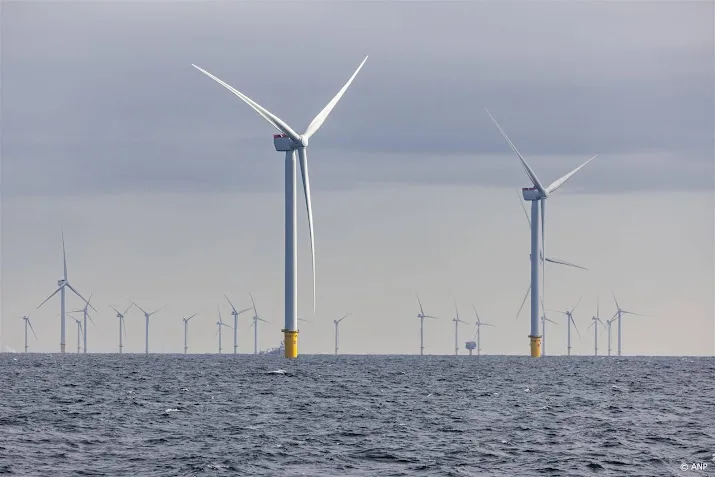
(256,319)
(146,317)
(337,325)
(456,321)
(220,325)
(26,318)
(537,194)
(85,315)
(79,331)
(421,315)
(619,314)
(235,323)
(186,331)
(569,321)
(596,320)
(122,324)
(61,284)
(544,319)
(289,142)
(479,323)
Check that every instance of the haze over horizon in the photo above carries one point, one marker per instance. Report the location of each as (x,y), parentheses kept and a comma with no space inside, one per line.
(170,193)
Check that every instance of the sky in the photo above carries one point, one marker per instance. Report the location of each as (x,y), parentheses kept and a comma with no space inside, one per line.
(170,193)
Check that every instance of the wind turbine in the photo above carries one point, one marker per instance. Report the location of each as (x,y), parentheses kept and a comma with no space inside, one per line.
(337,324)
(479,325)
(61,284)
(235,323)
(27,323)
(569,320)
(457,321)
(186,330)
(85,314)
(256,319)
(421,315)
(122,324)
(596,320)
(537,194)
(289,142)
(609,322)
(79,331)
(619,314)
(220,325)
(146,317)
(544,319)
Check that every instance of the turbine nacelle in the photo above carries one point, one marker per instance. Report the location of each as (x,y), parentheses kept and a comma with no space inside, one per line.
(61,282)
(533,194)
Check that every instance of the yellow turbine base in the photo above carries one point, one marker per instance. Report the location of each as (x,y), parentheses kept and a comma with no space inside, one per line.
(535,346)
(291,343)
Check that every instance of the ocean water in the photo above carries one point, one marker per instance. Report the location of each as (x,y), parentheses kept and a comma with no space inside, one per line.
(174,415)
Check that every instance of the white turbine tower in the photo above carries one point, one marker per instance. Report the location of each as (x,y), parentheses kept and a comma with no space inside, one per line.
(289,142)
(61,284)
(337,325)
(596,320)
(537,194)
(608,324)
(26,318)
(235,323)
(456,321)
(478,335)
(85,315)
(186,331)
(122,324)
(619,314)
(220,325)
(146,317)
(569,321)
(421,315)
(256,319)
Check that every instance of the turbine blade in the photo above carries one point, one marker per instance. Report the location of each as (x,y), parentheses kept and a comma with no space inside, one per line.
(128,308)
(528,289)
(33,329)
(261,319)
(614,299)
(142,309)
(576,327)
(110,306)
(523,207)
(418,301)
(563,262)
(80,295)
(320,118)
(191,316)
(303,158)
(476,313)
(574,307)
(243,311)
(486,324)
(433,317)
(64,254)
(277,122)
(229,302)
(529,170)
(157,311)
(254,303)
(562,180)
(53,294)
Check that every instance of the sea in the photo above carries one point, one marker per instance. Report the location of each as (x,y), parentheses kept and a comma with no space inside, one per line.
(320,415)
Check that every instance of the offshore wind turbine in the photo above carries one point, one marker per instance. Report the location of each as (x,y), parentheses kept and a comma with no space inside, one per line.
(289,142)
(220,325)
(79,331)
(596,320)
(479,323)
(122,324)
(235,323)
(256,319)
(186,331)
(536,195)
(619,314)
(337,325)
(26,318)
(61,284)
(146,317)
(569,320)
(421,315)
(457,321)
(85,315)
(544,319)
(609,322)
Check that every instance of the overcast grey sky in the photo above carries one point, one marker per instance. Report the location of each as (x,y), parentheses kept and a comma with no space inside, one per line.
(170,192)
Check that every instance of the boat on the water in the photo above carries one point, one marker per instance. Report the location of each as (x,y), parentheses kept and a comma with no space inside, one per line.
(280,350)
